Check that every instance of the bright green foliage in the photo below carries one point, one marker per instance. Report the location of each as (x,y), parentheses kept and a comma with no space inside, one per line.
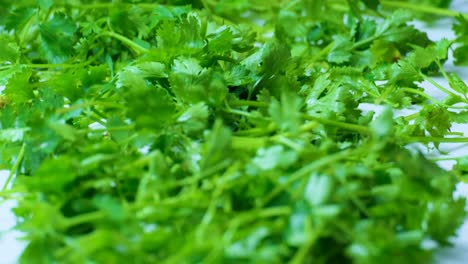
(221,131)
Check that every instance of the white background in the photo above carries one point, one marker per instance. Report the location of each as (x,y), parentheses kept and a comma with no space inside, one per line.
(11,246)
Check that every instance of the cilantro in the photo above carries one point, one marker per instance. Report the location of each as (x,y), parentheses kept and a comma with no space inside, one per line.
(229,131)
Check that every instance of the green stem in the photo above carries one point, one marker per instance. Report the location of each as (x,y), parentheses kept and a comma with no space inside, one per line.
(109,129)
(55,65)
(437,139)
(243,113)
(259,213)
(45,65)
(15,167)
(412,116)
(111,5)
(440,87)
(448,158)
(256,131)
(323,52)
(248,103)
(308,126)
(365,41)
(421,93)
(339,7)
(347,126)
(83,218)
(248,142)
(139,49)
(442,70)
(88,104)
(305,170)
(287,142)
(301,254)
(455,133)
(144,160)
(195,179)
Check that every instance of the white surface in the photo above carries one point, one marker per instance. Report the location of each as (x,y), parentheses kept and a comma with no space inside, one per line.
(11,247)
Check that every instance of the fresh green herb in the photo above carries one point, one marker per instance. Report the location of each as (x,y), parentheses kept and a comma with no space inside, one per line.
(220,131)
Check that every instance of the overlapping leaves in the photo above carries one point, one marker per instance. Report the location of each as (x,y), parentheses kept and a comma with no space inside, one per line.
(148,133)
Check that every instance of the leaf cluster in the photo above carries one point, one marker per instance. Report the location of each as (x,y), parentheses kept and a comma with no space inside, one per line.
(220,131)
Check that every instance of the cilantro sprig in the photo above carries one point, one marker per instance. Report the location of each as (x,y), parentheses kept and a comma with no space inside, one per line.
(220,131)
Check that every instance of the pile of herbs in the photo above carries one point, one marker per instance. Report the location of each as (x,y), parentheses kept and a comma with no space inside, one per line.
(228,131)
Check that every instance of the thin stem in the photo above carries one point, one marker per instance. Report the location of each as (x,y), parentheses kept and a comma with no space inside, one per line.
(432,99)
(255,131)
(442,70)
(259,213)
(438,139)
(83,218)
(347,126)
(243,113)
(15,167)
(305,170)
(412,116)
(365,41)
(440,87)
(323,52)
(248,142)
(204,174)
(248,103)
(111,5)
(301,254)
(421,93)
(448,158)
(88,104)
(139,49)
(55,65)
(455,133)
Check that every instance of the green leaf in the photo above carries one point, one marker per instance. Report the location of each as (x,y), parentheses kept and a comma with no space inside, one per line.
(275,57)
(286,113)
(192,83)
(382,126)
(239,132)
(151,69)
(18,89)
(436,120)
(340,51)
(216,146)
(443,219)
(110,206)
(63,130)
(274,157)
(18,18)
(184,33)
(45,4)
(195,117)
(318,189)
(53,175)
(423,57)
(457,84)
(460,117)
(372,4)
(150,106)
(461,51)
(9,50)
(221,41)
(57,38)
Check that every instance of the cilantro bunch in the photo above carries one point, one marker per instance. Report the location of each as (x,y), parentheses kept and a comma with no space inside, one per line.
(218,131)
